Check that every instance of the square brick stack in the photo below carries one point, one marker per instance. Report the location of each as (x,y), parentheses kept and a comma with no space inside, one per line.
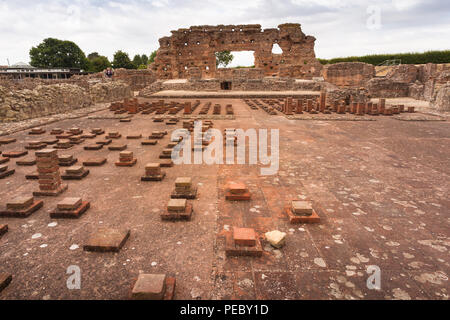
(153,172)
(56,131)
(301,212)
(153,287)
(5,172)
(75,173)
(184,189)
(75,131)
(63,144)
(177,209)
(126,159)
(66,160)
(242,242)
(72,207)
(113,135)
(21,207)
(98,131)
(237,191)
(50,183)
(37,131)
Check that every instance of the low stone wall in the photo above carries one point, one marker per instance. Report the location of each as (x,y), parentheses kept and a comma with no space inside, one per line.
(110,91)
(348,74)
(238,84)
(43,100)
(442,102)
(386,88)
(136,79)
(407,73)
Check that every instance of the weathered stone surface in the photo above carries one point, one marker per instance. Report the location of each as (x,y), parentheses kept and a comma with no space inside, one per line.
(276,238)
(195,47)
(303,208)
(149,287)
(21,104)
(386,88)
(21,202)
(348,74)
(442,102)
(406,73)
(107,240)
(69,203)
(176,205)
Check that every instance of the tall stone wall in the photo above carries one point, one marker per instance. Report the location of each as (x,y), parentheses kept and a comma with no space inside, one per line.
(43,100)
(196,47)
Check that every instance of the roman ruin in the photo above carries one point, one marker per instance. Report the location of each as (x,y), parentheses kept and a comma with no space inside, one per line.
(360,176)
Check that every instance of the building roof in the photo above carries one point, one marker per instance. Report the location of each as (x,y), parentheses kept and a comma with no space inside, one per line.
(21,65)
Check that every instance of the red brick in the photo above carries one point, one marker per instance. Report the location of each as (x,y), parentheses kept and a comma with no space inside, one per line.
(244,236)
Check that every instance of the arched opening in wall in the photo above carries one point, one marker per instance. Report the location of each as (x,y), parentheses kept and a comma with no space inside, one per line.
(235,59)
(276,49)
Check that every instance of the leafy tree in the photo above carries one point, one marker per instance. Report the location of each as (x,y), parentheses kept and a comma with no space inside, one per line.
(144,59)
(54,53)
(99,64)
(122,60)
(223,58)
(142,66)
(151,59)
(137,61)
(93,55)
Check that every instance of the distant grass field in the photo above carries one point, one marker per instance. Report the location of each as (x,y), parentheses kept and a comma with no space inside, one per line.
(406,58)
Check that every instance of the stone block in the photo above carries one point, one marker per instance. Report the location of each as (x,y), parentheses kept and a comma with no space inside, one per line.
(107,240)
(94,162)
(302,208)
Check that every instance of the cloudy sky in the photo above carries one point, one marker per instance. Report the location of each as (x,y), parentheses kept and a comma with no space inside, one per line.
(342,27)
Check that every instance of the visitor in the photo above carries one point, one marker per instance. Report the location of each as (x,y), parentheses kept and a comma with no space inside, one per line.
(109,72)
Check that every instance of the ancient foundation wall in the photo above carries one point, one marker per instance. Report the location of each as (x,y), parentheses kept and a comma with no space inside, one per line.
(21,104)
(237,84)
(348,74)
(442,101)
(196,47)
(386,88)
(136,79)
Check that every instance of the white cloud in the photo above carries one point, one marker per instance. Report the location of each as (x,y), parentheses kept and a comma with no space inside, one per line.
(136,25)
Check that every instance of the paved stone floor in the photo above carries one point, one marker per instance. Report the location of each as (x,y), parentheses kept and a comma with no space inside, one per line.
(380,187)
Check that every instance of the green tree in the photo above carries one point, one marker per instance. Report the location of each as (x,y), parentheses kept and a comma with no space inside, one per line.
(93,55)
(99,64)
(151,59)
(122,60)
(144,59)
(142,66)
(223,58)
(137,61)
(54,53)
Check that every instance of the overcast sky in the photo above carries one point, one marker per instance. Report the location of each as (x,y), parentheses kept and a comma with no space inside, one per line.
(341,27)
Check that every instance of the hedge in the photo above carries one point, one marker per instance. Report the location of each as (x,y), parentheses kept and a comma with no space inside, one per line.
(406,58)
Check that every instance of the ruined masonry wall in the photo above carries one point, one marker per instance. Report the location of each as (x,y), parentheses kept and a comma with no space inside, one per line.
(43,100)
(196,47)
